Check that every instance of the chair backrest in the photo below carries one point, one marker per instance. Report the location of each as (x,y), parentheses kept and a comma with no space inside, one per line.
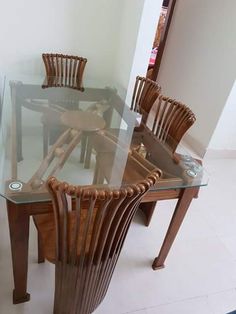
(145,94)
(171,120)
(88,245)
(64,70)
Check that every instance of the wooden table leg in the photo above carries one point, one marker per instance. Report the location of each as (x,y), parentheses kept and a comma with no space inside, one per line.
(148,210)
(41,258)
(18,220)
(176,221)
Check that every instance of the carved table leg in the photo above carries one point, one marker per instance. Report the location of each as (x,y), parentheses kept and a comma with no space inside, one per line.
(177,218)
(18,220)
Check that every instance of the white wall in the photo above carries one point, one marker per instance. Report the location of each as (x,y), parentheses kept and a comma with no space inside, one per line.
(29,28)
(224,137)
(87,28)
(126,39)
(147,29)
(199,64)
(1,89)
(96,29)
(104,31)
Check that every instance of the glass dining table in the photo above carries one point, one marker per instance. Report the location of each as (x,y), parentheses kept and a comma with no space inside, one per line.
(86,136)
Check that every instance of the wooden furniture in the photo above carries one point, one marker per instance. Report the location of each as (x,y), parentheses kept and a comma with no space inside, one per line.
(144,95)
(108,152)
(64,70)
(151,144)
(170,120)
(85,242)
(24,179)
(79,120)
(61,70)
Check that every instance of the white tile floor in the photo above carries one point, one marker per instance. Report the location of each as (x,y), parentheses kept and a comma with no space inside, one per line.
(200,273)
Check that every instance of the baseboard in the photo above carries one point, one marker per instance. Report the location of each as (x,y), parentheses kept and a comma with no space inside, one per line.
(221,153)
(201,151)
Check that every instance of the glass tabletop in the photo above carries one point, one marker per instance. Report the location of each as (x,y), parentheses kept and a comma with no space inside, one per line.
(85,136)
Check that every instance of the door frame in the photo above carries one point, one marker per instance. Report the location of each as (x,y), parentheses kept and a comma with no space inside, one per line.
(163,39)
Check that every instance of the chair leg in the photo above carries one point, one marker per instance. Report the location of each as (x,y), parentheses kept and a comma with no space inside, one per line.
(88,153)
(96,171)
(41,258)
(83,147)
(98,175)
(148,210)
(45,140)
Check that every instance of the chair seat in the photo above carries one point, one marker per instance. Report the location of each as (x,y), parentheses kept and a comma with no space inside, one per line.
(45,224)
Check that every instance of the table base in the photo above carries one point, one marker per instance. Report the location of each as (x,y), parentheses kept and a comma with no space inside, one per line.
(19,219)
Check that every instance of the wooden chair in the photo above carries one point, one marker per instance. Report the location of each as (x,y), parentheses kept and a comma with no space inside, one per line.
(144,95)
(61,71)
(169,120)
(64,70)
(84,236)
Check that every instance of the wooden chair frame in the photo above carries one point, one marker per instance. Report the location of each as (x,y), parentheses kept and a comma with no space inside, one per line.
(64,70)
(145,93)
(171,121)
(61,71)
(89,239)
